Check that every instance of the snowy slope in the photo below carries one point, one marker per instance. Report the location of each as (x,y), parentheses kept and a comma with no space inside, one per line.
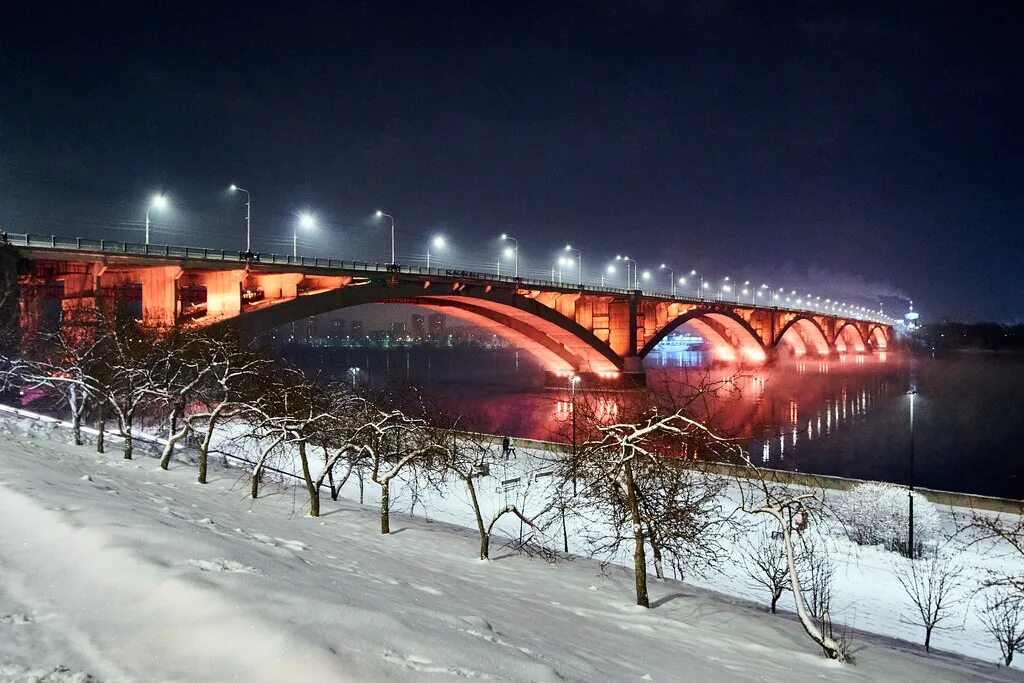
(126,572)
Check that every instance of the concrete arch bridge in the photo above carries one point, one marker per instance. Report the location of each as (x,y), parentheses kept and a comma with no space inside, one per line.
(600,333)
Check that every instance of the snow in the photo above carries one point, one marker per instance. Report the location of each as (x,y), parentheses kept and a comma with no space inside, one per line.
(139,574)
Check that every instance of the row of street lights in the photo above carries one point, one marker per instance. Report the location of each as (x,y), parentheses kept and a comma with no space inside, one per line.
(633,273)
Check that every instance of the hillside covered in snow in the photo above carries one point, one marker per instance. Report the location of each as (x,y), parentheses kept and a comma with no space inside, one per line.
(115,570)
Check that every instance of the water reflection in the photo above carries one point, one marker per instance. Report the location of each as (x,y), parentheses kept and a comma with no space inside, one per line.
(847,415)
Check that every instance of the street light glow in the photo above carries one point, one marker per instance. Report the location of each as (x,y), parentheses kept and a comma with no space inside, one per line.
(159,201)
(439,242)
(307,220)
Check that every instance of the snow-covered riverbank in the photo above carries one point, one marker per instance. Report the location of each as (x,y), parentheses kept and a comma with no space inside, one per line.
(127,572)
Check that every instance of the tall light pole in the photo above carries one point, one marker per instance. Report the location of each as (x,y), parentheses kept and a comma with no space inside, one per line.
(627,261)
(699,280)
(515,249)
(610,270)
(579,261)
(672,277)
(437,243)
(158,201)
(573,381)
(381,214)
(910,489)
(306,222)
(248,224)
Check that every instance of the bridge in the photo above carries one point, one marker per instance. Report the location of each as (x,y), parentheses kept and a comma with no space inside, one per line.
(599,333)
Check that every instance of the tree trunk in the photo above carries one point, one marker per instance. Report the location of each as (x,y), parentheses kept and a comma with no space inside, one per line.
(828,645)
(385,521)
(126,429)
(639,555)
(311,488)
(927,638)
(656,551)
(76,415)
(101,426)
(775,599)
(330,482)
(359,476)
(204,447)
(256,481)
(173,437)
(485,540)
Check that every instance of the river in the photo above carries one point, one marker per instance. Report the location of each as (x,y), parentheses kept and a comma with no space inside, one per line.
(849,417)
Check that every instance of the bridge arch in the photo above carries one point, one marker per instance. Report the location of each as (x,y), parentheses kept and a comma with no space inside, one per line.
(849,339)
(879,336)
(803,335)
(557,341)
(731,337)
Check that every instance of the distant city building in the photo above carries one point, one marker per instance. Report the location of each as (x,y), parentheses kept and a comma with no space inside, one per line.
(437,327)
(398,331)
(419,327)
(356,326)
(337,329)
(310,327)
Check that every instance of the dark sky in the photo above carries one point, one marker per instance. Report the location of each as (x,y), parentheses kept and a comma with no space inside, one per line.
(860,148)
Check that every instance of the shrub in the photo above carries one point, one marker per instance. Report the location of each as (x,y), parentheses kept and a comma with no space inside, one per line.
(876,513)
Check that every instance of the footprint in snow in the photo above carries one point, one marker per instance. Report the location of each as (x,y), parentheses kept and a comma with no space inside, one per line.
(222,565)
(15,619)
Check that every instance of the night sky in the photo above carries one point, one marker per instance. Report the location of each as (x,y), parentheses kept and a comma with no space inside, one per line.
(859,149)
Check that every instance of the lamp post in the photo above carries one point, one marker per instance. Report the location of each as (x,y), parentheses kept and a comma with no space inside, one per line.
(307,222)
(672,277)
(610,270)
(354,372)
(438,243)
(573,381)
(381,214)
(579,261)
(515,250)
(699,280)
(248,224)
(910,488)
(627,261)
(158,201)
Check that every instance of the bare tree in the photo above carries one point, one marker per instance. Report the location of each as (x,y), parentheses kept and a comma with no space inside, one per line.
(765,563)
(762,494)
(633,477)
(179,367)
(999,535)
(1003,617)
(932,584)
(232,382)
(393,442)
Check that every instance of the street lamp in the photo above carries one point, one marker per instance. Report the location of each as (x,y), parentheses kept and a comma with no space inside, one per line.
(912,393)
(354,372)
(699,281)
(563,261)
(248,213)
(671,277)
(573,381)
(306,222)
(381,214)
(158,201)
(579,260)
(610,270)
(627,261)
(515,249)
(437,243)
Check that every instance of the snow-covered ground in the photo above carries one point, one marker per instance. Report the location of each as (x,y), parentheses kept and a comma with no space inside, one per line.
(121,571)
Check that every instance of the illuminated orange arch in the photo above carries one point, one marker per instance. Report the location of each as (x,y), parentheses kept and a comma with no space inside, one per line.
(878,336)
(558,342)
(849,338)
(723,329)
(801,334)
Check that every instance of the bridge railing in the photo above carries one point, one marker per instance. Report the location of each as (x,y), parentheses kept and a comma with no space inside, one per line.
(89,245)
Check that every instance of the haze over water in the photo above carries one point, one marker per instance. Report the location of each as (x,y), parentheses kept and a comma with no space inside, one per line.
(847,417)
